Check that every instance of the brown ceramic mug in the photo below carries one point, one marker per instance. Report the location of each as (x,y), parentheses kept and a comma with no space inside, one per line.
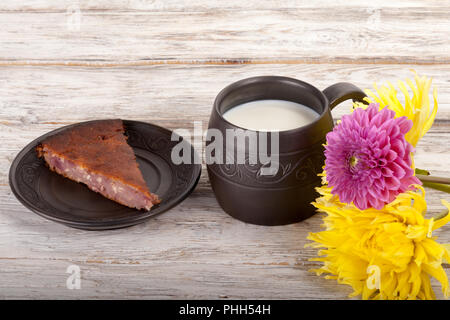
(285,197)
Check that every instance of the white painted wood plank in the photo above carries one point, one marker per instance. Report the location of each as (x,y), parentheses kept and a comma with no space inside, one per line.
(399,33)
(37,95)
(200,5)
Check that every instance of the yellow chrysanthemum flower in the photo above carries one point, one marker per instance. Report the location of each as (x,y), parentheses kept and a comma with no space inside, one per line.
(416,107)
(382,254)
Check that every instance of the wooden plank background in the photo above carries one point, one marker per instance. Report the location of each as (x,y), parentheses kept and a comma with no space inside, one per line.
(164,62)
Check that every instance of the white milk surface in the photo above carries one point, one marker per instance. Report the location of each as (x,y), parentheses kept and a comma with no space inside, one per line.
(270,115)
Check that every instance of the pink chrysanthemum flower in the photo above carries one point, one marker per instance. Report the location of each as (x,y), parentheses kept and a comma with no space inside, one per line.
(368,160)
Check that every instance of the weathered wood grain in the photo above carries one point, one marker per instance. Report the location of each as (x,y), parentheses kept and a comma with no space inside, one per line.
(147,32)
(164,62)
(161,93)
(200,5)
(195,250)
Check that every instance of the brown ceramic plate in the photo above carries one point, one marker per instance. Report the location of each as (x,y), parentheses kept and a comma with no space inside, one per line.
(73,204)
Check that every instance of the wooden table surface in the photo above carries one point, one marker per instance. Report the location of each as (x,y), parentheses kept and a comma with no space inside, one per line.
(164,62)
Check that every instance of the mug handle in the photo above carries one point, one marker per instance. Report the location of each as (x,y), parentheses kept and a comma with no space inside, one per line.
(342,91)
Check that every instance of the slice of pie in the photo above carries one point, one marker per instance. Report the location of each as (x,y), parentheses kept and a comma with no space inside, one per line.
(97,154)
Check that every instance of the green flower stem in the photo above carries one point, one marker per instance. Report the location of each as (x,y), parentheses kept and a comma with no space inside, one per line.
(438,183)
(439,180)
(437,186)
(422,171)
(441,215)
